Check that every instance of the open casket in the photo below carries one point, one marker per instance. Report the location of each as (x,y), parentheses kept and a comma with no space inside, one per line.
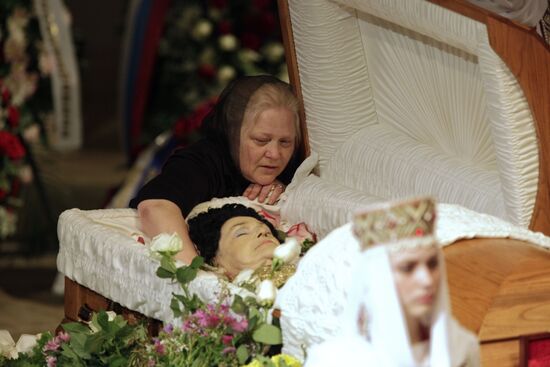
(400,98)
(438,97)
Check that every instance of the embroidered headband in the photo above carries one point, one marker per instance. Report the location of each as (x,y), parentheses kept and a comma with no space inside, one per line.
(401,224)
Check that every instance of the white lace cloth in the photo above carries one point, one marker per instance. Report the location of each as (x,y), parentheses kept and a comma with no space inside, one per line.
(99,249)
(314,298)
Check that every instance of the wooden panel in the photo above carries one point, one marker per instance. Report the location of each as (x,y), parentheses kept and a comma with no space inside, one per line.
(499,288)
(500,354)
(292,66)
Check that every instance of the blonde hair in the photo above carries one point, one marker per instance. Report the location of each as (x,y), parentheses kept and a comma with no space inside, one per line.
(274,95)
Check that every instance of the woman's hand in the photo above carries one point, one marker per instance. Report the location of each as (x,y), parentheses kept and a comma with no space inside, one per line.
(268,194)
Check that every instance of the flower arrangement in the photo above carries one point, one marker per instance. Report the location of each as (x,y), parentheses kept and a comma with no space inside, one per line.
(205,44)
(24,100)
(234,331)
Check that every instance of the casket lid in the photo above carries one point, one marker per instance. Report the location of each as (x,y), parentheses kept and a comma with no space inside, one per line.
(411,97)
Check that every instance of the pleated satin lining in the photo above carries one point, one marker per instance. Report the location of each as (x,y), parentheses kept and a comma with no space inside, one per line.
(407,98)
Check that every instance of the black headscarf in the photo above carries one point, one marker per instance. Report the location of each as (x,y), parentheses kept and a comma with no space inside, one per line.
(224,122)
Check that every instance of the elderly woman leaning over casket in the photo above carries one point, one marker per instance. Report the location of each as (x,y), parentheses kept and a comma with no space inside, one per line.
(249,149)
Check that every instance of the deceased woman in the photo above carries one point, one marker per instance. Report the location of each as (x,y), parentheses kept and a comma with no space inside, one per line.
(233,238)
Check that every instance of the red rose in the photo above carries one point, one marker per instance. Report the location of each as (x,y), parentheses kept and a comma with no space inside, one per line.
(15,187)
(6,95)
(225,27)
(207,71)
(268,23)
(261,4)
(11,146)
(250,40)
(2,194)
(220,4)
(13,116)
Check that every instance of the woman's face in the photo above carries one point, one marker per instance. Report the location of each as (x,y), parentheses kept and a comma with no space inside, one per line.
(245,243)
(267,145)
(417,275)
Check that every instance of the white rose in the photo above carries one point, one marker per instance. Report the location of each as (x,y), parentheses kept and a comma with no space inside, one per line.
(26,342)
(228,42)
(273,51)
(243,277)
(202,29)
(226,73)
(7,345)
(248,56)
(266,293)
(288,251)
(165,242)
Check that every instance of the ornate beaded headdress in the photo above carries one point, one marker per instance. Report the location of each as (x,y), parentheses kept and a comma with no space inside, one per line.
(402,224)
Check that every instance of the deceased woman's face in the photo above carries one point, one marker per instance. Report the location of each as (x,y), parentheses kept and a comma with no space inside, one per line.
(266,145)
(417,275)
(245,243)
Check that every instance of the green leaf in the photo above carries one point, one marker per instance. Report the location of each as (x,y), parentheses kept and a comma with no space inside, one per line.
(242,354)
(75,327)
(268,334)
(163,273)
(102,320)
(167,263)
(175,307)
(238,306)
(186,274)
(197,262)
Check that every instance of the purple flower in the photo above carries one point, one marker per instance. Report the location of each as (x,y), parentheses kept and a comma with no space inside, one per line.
(51,361)
(168,329)
(51,345)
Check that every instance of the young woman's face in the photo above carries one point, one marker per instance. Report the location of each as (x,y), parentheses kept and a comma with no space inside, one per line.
(267,145)
(417,275)
(245,243)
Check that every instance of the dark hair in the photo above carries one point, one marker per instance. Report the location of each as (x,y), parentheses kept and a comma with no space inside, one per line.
(205,228)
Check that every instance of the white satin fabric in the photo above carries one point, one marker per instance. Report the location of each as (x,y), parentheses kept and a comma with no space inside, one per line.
(406,98)
(374,289)
(324,276)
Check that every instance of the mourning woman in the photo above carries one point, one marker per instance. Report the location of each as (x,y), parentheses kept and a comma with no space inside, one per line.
(398,312)
(249,148)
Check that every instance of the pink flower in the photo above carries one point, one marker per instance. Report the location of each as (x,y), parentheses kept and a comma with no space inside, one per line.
(62,337)
(52,345)
(151,363)
(51,361)
(301,233)
(226,339)
(229,350)
(159,347)
(238,325)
